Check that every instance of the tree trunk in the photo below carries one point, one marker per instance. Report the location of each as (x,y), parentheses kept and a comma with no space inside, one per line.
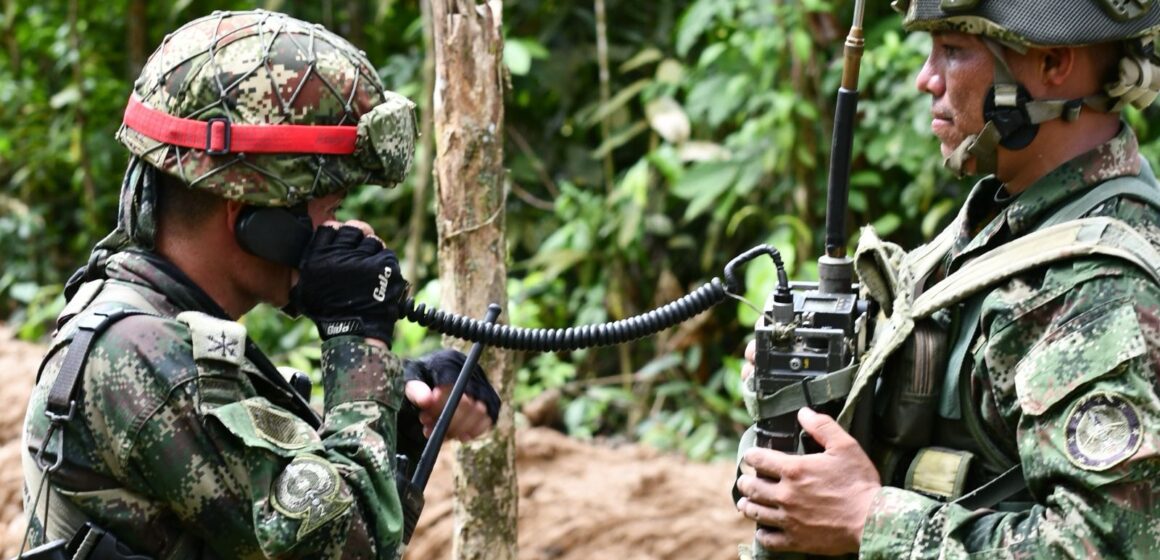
(469,187)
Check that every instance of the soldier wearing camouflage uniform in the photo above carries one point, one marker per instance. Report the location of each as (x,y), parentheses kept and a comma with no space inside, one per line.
(1049,375)
(180,438)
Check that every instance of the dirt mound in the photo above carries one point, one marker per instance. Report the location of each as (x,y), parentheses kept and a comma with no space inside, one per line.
(580,501)
(577,500)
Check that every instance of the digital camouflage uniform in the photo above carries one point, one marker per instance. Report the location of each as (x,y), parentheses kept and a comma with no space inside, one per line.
(186,442)
(1060,376)
(184,450)
(1063,375)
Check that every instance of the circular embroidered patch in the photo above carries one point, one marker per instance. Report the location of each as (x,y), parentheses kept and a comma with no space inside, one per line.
(1102,431)
(304,485)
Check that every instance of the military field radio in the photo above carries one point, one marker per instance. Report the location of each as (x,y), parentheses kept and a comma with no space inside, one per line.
(809,330)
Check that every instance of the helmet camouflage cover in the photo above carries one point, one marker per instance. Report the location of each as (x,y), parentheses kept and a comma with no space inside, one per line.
(267,69)
(1036,23)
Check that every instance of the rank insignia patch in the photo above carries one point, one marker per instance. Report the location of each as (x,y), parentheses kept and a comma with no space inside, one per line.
(1102,431)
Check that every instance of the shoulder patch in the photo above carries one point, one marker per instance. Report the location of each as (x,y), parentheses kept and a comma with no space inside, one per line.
(1103,430)
(215,339)
(277,426)
(310,490)
(259,423)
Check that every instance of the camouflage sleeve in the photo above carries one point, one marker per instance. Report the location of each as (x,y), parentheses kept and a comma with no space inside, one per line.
(1086,421)
(248,477)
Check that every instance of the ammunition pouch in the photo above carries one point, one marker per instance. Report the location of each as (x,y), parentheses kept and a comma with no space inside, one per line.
(906,400)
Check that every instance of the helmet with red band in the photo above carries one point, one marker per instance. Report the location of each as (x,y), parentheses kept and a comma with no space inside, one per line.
(267,109)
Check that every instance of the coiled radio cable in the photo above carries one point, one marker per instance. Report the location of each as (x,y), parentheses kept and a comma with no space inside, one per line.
(603,334)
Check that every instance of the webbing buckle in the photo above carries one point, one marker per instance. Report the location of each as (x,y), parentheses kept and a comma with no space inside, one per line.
(209,136)
(55,422)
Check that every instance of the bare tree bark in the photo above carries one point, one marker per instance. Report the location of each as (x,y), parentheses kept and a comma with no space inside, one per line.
(469,187)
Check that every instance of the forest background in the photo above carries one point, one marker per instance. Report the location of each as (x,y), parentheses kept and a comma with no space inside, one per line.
(647,143)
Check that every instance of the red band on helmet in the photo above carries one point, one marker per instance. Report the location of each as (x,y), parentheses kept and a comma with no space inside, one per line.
(218,136)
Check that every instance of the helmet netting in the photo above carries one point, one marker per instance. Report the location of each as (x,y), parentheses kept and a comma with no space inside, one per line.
(258,68)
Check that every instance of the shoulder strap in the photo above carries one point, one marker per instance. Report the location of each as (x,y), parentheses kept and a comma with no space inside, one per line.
(1077,238)
(61,397)
(1132,187)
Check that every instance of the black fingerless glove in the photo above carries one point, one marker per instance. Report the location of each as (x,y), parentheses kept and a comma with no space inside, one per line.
(442,368)
(348,284)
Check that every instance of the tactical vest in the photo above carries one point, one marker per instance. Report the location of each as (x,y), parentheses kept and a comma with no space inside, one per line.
(90,312)
(911,341)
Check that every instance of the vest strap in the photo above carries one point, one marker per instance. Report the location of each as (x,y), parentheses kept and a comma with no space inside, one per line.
(61,404)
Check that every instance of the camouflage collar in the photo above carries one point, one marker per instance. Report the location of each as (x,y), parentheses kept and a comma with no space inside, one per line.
(151,271)
(1116,158)
(988,217)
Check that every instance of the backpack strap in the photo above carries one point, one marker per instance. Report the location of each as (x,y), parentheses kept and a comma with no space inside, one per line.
(61,397)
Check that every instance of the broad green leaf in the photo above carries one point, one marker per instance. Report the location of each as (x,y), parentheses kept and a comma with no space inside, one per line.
(619,139)
(887,224)
(670,71)
(702,151)
(712,177)
(933,218)
(658,365)
(802,44)
(666,159)
(668,119)
(65,97)
(647,56)
(516,57)
(621,98)
(695,21)
(866,178)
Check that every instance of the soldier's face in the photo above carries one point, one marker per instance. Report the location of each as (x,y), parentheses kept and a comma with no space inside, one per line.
(957,74)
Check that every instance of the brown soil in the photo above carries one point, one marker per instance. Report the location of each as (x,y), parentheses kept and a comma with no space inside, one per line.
(578,500)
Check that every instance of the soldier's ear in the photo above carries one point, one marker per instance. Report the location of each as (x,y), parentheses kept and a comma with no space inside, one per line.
(234,210)
(1056,65)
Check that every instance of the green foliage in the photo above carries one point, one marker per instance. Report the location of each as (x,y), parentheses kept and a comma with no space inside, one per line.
(714,137)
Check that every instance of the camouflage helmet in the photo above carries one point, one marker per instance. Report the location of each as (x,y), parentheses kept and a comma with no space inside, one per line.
(266,109)
(1036,23)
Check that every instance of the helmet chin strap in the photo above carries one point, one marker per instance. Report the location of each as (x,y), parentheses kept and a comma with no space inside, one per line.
(1013,118)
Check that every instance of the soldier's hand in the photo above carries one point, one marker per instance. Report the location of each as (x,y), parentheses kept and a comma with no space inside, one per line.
(815,503)
(429,383)
(349,283)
